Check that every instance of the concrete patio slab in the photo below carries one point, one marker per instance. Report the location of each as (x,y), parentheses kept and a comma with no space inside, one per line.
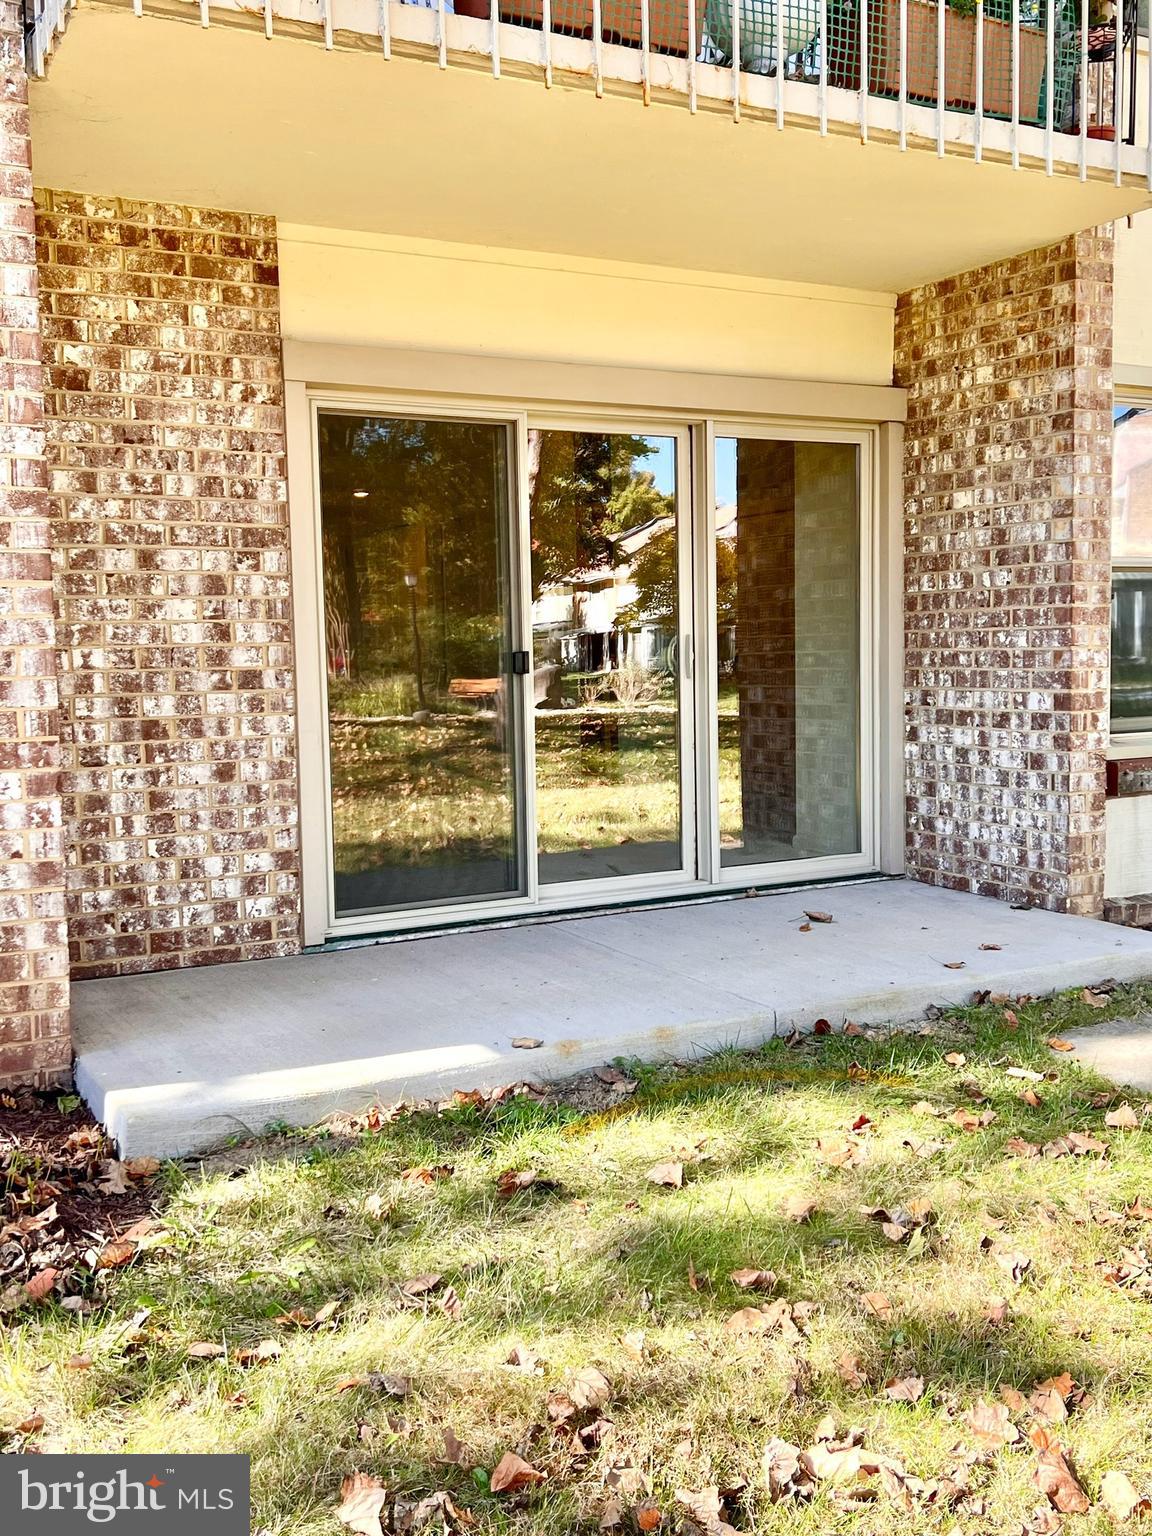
(1120,1049)
(179,1059)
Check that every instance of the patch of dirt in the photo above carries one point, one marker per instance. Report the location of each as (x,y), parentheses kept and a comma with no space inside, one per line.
(67,1205)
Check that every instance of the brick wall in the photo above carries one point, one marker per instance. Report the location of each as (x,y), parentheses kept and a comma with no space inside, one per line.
(34,1038)
(166,462)
(1007,479)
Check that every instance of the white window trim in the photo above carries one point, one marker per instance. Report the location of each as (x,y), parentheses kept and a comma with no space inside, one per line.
(384,380)
(1134,388)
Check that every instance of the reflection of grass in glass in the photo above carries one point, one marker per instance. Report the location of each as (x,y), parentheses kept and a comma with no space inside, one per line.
(593,795)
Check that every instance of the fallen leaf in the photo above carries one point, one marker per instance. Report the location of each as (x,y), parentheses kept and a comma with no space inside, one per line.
(512,1472)
(753,1279)
(1061,1045)
(750,1320)
(113,1178)
(841,1151)
(204,1349)
(590,1388)
(876,1303)
(799,1207)
(526,1043)
(1018,1147)
(1120,1497)
(996,1312)
(363,1497)
(78,1363)
(821,1027)
(427,1175)
(991,946)
(1030,1097)
(525,1360)
(29,1426)
(954,965)
(1095,999)
(1011,1019)
(850,1372)
(1015,1399)
(40,1285)
(669,1175)
(956,1059)
(1025,1073)
(972,1120)
(818,917)
(142,1167)
(990,1424)
(904,1389)
(922,1107)
(1123,1118)
(257,1354)
(635,1343)
(514,1181)
(852,1028)
(648,1518)
(421,1285)
(1055,1478)
(454,1453)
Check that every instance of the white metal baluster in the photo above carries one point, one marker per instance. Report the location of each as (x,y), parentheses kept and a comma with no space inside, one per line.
(1149,114)
(267,18)
(1050,86)
(781,62)
(441,33)
(205,19)
(328,23)
(736,60)
(1118,92)
(863,17)
(1015,127)
(646,53)
(495,38)
(903,102)
(941,72)
(385,21)
(546,25)
(1084,90)
(138,7)
(693,49)
(598,45)
(978,127)
(823,87)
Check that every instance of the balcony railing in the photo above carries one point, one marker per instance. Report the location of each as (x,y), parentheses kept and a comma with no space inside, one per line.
(1063,84)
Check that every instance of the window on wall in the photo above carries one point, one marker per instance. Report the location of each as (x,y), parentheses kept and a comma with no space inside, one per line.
(1132,568)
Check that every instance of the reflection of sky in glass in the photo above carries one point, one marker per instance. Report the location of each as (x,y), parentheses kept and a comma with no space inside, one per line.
(725,471)
(660,463)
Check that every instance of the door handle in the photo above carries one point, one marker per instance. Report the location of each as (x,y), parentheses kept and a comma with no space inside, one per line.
(521,663)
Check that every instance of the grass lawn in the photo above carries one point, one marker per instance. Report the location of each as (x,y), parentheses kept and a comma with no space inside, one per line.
(871,1351)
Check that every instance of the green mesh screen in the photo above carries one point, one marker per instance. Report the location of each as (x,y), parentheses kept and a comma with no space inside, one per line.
(668,33)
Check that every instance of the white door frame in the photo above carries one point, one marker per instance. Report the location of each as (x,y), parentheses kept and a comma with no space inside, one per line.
(695,481)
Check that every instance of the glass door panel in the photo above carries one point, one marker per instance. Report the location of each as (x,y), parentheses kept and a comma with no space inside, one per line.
(606,621)
(415,519)
(787,552)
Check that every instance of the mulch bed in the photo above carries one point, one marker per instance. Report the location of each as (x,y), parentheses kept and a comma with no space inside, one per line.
(68,1207)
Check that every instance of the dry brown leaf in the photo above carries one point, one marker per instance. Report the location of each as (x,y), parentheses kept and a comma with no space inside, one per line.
(841,1151)
(750,1320)
(635,1343)
(922,1107)
(1123,1118)
(1120,1497)
(1025,1074)
(422,1285)
(1095,999)
(116,1253)
(513,1181)
(427,1175)
(454,1452)
(799,1208)
(850,1371)
(904,1389)
(956,1059)
(753,1279)
(818,917)
(204,1349)
(512,1472)
(1018,1147)
(526,1043)
(113,1178)
(648,1518)
(990,1424)
(31,1425)
(590,1388)
(142,1167)
(1030,1097)
(1055,1478)
(971,1119)
(822,1027)
(40,1285)
(1061,1045)
(996,1312)
(1014,1398)
(876,1304)
(991,946)
(668,1175)
(257,1354)
(363,1498)
(954,965)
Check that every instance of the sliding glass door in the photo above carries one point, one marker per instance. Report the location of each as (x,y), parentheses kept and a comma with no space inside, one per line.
(555,675)
(786,552)
(421,687)
(609,592)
